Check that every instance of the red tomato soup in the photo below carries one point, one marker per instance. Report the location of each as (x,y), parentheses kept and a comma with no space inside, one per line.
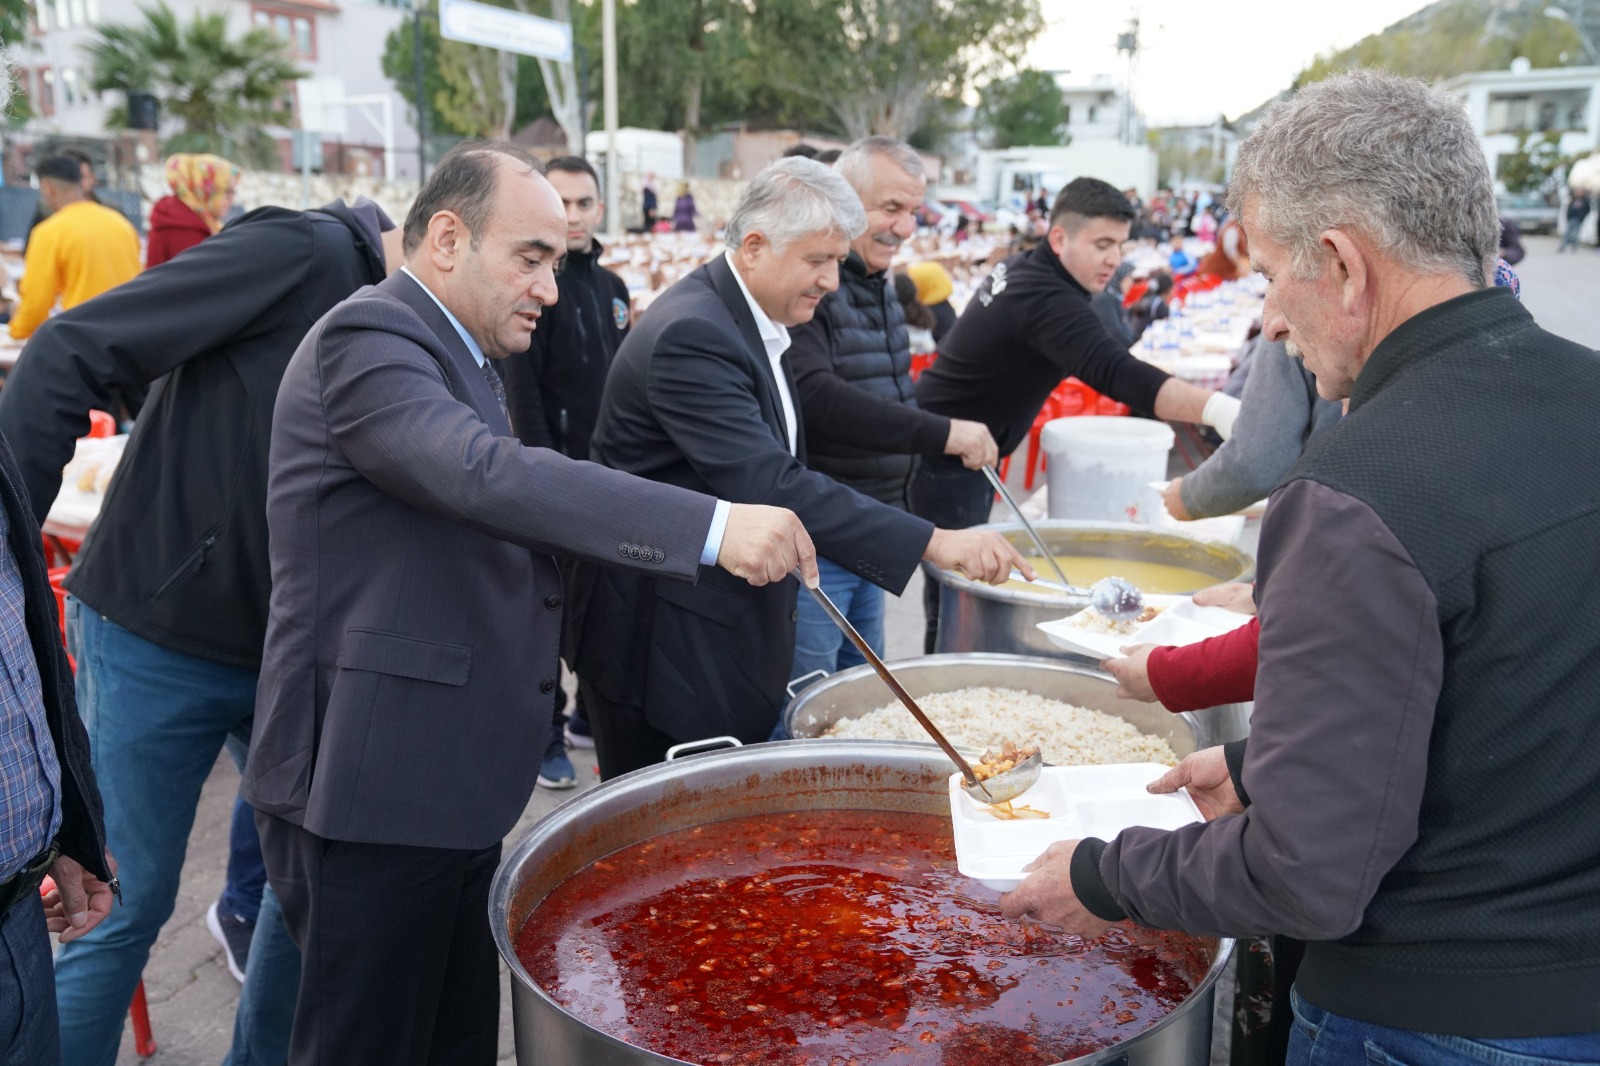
(836,936)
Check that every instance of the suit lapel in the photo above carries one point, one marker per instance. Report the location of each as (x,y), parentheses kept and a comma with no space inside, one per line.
(461,370)
(726,286)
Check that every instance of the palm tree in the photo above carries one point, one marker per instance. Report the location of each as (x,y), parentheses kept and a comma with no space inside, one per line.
(218,91)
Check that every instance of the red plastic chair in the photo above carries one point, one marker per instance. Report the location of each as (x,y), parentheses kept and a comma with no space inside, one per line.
(921,361)
(101,424)
(1069,399)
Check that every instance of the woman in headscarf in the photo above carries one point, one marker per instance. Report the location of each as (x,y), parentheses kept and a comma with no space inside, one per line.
(202,191)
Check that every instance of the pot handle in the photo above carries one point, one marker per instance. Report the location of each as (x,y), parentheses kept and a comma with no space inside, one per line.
(818,673)
(696,745)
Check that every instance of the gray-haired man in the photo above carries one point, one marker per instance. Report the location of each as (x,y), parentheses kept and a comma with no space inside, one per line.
(700,396)
(1423,806)
(852,369)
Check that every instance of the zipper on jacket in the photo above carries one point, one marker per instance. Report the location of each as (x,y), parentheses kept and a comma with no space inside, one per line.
(190,564)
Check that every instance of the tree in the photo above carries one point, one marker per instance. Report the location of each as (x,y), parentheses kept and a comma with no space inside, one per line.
(480,94)
(218,91)
(1532,169)
(13,22)
(877,65)
(1025,109)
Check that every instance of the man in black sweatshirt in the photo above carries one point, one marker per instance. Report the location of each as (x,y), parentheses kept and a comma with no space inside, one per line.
(1029,326)
(553,389)
(1419,797)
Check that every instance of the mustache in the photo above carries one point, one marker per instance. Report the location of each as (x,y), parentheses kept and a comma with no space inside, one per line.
(888,240)
(1293,350)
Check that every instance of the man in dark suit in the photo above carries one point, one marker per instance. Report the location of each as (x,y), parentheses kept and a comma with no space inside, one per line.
(410,656)
(701,397)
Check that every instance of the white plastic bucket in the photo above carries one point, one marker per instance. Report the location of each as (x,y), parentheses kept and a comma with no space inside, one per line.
(1100,469)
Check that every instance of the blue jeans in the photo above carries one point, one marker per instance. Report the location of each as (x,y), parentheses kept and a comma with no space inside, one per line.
(1322,1038)
(818,643)
(265,1016)
(29,1035)
(156,720)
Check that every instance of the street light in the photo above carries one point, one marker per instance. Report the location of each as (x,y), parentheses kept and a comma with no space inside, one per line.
(1560,15)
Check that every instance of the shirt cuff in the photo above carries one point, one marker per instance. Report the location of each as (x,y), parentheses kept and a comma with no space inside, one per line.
(719,526)
(1233,754)
(1089,885)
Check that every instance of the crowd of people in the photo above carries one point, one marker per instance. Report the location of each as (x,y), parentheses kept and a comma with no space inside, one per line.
(386,477)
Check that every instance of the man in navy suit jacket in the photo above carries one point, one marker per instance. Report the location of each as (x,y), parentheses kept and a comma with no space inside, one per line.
(701,397)
(410,661)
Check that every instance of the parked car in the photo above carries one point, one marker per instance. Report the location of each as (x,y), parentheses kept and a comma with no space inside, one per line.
(1531,213)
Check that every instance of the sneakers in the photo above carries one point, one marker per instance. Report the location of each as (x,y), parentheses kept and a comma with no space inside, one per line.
(579,734)
(234,934)
(556,770)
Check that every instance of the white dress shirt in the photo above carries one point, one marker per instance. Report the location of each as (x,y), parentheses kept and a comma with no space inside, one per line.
(775,338)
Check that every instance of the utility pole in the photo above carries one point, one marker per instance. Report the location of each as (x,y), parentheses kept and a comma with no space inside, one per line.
(1128,41)
(422,92)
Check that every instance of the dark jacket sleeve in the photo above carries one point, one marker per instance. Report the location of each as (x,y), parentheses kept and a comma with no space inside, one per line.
(1065,330)
(128,337)
(702,398)
(1207,673)
(1351,663)
(837,412)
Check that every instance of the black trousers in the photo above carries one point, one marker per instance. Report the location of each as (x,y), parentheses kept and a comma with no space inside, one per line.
(399,966)
(951,497)
(623,740)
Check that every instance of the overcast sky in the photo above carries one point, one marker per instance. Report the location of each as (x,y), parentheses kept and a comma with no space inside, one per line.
(1198,58)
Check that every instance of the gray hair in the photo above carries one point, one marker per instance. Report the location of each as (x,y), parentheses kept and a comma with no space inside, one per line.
(794,198)
(1389,157)
(855,162)
(6,84)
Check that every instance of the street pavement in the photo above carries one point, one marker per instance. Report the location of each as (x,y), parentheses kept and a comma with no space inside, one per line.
(192,997)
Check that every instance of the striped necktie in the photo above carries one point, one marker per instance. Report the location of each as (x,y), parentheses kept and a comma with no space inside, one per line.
(497,387)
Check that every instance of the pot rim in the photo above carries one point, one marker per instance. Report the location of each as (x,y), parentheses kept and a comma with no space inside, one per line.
(1030,598)
(643,781)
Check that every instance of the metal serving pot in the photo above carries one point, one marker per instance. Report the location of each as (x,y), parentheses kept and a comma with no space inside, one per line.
(852,693)
(978,617)
(762,778)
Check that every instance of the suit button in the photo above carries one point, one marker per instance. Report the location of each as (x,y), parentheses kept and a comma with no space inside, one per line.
(548,685)
(657,555)
(633,551)
(794,615)
(552,602)
(622,550)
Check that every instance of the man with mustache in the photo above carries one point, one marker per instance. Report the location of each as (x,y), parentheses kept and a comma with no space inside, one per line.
(1418,798)
(852,368)
(701,396)
(410,659)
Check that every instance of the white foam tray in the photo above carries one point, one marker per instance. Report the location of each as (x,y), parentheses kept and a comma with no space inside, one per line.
(1083,801)
(1181,621)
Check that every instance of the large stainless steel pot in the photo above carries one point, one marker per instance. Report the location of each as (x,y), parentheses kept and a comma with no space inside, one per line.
(762,778)
(852,693)
(978,617)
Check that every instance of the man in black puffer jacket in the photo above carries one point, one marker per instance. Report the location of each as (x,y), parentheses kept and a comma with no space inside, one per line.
(168,606)
(852,366)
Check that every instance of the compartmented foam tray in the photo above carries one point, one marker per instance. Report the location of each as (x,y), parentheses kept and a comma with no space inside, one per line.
(1082,801)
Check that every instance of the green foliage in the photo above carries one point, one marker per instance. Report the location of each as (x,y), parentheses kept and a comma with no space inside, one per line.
(1025,109)
(1532,169)
(878,65)
(451,72)
(13,22)
(218,90)
(1456,37)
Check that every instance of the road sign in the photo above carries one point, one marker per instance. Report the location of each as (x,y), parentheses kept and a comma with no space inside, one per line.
(507,30)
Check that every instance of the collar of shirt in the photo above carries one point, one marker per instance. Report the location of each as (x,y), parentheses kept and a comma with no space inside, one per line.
(466,338)
(775,339)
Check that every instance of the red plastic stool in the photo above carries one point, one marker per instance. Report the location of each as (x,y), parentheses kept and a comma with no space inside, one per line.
(101,424)
(144,1041)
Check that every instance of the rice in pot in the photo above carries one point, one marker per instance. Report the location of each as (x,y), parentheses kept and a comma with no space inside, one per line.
(983,718)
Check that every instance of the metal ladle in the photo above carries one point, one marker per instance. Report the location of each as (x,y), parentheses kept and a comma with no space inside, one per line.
(1114,597)
(1012,782)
